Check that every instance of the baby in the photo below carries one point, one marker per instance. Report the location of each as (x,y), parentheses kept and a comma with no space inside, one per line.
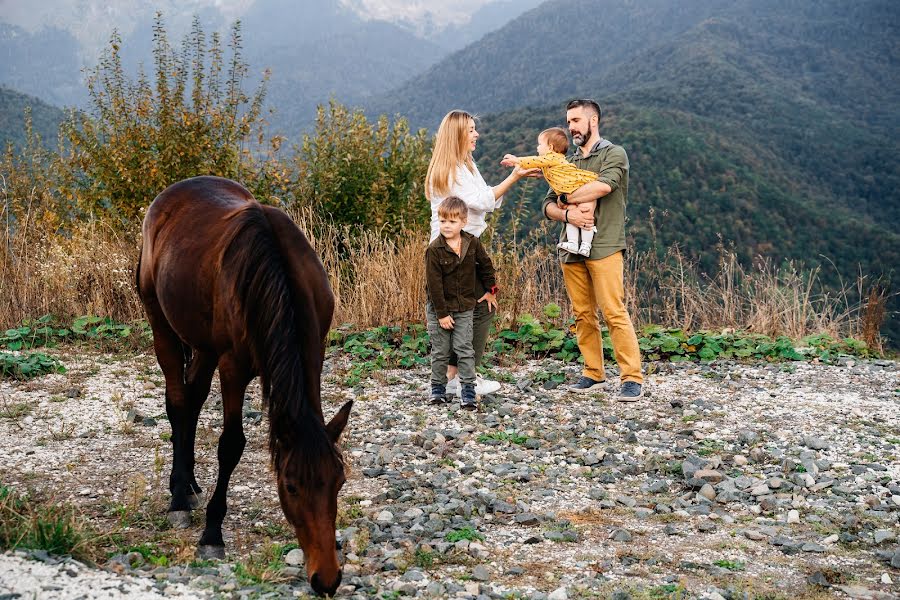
(564,178)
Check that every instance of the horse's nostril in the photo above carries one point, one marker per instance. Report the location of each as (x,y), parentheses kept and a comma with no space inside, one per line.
(316,582)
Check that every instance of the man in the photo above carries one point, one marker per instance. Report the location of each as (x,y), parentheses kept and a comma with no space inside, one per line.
(598,279)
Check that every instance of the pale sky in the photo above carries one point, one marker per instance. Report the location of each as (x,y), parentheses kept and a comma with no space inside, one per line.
(92,21)
(442,11)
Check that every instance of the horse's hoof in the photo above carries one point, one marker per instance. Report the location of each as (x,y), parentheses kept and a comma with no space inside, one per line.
(195,500)
(179,519)
(211,552)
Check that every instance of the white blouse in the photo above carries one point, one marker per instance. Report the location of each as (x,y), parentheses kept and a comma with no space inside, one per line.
(479,198)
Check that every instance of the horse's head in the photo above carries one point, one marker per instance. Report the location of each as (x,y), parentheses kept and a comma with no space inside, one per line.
(308,485)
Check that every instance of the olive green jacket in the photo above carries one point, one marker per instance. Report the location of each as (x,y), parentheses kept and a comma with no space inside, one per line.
(611,165)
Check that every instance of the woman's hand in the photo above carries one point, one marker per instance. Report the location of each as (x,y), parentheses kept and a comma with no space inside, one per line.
(491,300)
(447,322)
(520,172)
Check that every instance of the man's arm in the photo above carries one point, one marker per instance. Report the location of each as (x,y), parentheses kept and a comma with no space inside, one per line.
(589,192)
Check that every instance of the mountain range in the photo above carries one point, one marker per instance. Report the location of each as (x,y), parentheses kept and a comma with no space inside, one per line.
(769,126)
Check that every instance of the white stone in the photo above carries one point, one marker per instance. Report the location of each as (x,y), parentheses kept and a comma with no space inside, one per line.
(886,579)
(385,516)
(414,513)
(793,517)
(558,594)
(740,460)
(294,558)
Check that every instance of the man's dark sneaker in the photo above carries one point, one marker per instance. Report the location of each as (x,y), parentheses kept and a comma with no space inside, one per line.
(631,392)
(586,385)
(438,393)
(467,399)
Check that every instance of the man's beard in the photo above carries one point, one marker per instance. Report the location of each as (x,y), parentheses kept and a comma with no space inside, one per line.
(580,139)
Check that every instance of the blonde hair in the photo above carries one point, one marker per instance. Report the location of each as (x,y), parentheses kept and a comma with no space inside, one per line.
(452,207)
(451,149)
(556,139)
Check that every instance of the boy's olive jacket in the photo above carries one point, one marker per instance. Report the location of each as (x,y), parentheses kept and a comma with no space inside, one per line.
(450,279)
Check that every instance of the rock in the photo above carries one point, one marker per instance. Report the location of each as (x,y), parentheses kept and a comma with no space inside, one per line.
(883,535)
(558,594)
(527,519)
(481,573)
(748,437)
(620,535)
(740,460)
(753,534)
(706,526)
(815,443)
(793,517)
(709,475)
(708,492)
(468,487)
(294,558)
(385,517)
(818,578)
(812,547)
(761,490)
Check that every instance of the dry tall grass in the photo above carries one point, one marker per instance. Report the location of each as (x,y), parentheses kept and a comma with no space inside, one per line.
(380,281)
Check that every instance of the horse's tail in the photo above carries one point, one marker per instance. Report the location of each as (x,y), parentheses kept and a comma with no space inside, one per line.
(258,277)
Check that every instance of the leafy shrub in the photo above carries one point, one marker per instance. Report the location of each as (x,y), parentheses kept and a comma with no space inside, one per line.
(28,366)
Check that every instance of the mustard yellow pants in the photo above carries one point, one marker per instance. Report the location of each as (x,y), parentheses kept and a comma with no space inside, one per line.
(593,284)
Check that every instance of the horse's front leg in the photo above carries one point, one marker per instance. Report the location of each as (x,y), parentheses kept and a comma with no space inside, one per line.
(231,445)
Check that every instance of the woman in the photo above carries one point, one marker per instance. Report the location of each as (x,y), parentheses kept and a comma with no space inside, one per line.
(452,172)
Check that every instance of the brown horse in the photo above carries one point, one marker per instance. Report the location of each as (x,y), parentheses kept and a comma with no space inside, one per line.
(231,283)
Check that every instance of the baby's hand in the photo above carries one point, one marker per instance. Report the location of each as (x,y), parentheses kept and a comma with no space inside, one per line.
(510,160)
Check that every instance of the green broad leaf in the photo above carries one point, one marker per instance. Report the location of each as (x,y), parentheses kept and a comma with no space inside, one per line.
(707,353)
(695,339)
(552,311)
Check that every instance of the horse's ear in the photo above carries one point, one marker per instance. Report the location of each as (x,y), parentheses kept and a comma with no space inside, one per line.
(336,426)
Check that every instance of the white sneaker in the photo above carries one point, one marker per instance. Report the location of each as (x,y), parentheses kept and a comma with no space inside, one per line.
(453,387)
(486,386)
(585,249)
(568,247)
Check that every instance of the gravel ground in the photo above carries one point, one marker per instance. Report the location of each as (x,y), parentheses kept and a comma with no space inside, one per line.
(729,481)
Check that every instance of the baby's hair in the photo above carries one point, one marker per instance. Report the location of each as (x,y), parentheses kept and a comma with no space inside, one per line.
(556,138)
(452,207)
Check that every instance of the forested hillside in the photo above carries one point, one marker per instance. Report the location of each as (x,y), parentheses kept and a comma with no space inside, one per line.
(767,125)
(45,118)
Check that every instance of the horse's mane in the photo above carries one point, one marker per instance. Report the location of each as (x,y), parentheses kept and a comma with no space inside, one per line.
(258,273)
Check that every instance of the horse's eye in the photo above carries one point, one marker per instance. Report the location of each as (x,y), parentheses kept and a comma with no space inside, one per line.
(291,489)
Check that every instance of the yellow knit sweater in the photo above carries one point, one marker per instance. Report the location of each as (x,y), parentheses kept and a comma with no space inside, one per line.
(561,175)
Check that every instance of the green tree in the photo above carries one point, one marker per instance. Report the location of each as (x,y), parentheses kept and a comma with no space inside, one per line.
(140,138)
(364,174)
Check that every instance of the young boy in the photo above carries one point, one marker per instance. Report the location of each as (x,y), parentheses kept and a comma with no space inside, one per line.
(564,178)
(452,262)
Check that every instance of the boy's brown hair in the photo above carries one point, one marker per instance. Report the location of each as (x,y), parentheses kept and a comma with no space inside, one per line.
(556,138)
(453,207)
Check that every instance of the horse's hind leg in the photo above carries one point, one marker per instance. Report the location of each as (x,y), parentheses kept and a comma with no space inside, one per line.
(198,379)
(170,355)
(234,380)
